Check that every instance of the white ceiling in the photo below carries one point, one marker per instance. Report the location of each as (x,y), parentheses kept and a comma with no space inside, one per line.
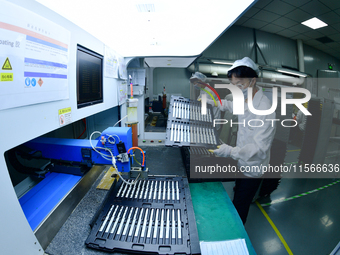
(152,27)
(284,17)
(185,28)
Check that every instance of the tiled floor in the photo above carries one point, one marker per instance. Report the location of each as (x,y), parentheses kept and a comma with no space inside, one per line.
(308,224)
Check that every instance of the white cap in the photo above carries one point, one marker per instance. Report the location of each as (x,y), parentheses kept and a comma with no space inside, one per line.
(245,62)
(198,75)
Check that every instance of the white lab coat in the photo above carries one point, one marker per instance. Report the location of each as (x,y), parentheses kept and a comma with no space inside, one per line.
(253,143)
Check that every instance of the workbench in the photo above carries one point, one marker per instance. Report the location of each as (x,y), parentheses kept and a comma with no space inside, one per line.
(216,217)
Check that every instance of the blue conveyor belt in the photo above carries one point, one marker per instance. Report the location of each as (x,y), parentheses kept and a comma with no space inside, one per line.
(42,198)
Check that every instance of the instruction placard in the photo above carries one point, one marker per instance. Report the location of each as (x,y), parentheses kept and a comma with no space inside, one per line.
(122,68)
(122,93)
(34,58)
(65,116)
(110,63)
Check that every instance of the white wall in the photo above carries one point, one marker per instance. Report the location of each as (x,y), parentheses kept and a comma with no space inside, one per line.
(175,80)
(21,124)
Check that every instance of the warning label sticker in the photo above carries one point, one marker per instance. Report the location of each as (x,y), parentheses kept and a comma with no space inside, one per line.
(40,82)
(6,77)
(65,116)
(7,65)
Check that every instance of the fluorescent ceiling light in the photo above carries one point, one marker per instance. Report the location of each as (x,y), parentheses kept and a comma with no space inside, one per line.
(314,23)
(292,72)
(139,28)
(222,62)
(145,7)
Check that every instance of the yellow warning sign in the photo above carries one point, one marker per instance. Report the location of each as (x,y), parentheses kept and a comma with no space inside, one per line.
(7,65)
(65,116)
(6,77)
(65,110)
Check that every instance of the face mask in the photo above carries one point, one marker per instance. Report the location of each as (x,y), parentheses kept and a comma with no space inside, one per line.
(240,86)
(244,90)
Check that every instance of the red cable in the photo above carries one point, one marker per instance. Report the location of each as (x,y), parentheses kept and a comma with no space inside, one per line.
(140,150)
(84,120)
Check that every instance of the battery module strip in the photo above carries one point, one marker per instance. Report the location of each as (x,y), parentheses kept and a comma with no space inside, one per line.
(187,126)
(182,108)
(182,133)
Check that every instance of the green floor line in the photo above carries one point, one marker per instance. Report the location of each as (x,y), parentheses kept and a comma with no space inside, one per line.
(300,195)
(294,163)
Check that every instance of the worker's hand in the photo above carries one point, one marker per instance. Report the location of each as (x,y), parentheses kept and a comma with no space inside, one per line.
(198,79)
(223,150)
(200,84)
(197,82)
(209,101)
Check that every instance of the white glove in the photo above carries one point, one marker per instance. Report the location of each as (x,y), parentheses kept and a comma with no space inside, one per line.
(223,151)
(199,76)
(211,102)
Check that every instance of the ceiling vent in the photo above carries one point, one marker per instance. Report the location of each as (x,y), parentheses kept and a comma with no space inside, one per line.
(145,7)
(324,39)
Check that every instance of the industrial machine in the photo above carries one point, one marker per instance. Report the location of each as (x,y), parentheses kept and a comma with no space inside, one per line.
(141,213)
(65,161)
(110,147)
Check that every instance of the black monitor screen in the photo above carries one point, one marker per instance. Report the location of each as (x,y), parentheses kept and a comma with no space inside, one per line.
(89,77)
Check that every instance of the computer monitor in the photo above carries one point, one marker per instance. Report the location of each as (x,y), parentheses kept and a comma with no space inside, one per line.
(89,77)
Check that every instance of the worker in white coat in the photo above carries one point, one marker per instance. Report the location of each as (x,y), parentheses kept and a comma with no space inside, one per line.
(198,80)
(252,150)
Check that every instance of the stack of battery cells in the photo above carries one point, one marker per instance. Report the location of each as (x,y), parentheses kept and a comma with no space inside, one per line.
(152,216)
(188,126)
(193,153)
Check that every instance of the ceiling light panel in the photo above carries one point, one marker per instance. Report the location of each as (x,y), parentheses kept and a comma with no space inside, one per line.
(145,7)
(314,23)
(160,28)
